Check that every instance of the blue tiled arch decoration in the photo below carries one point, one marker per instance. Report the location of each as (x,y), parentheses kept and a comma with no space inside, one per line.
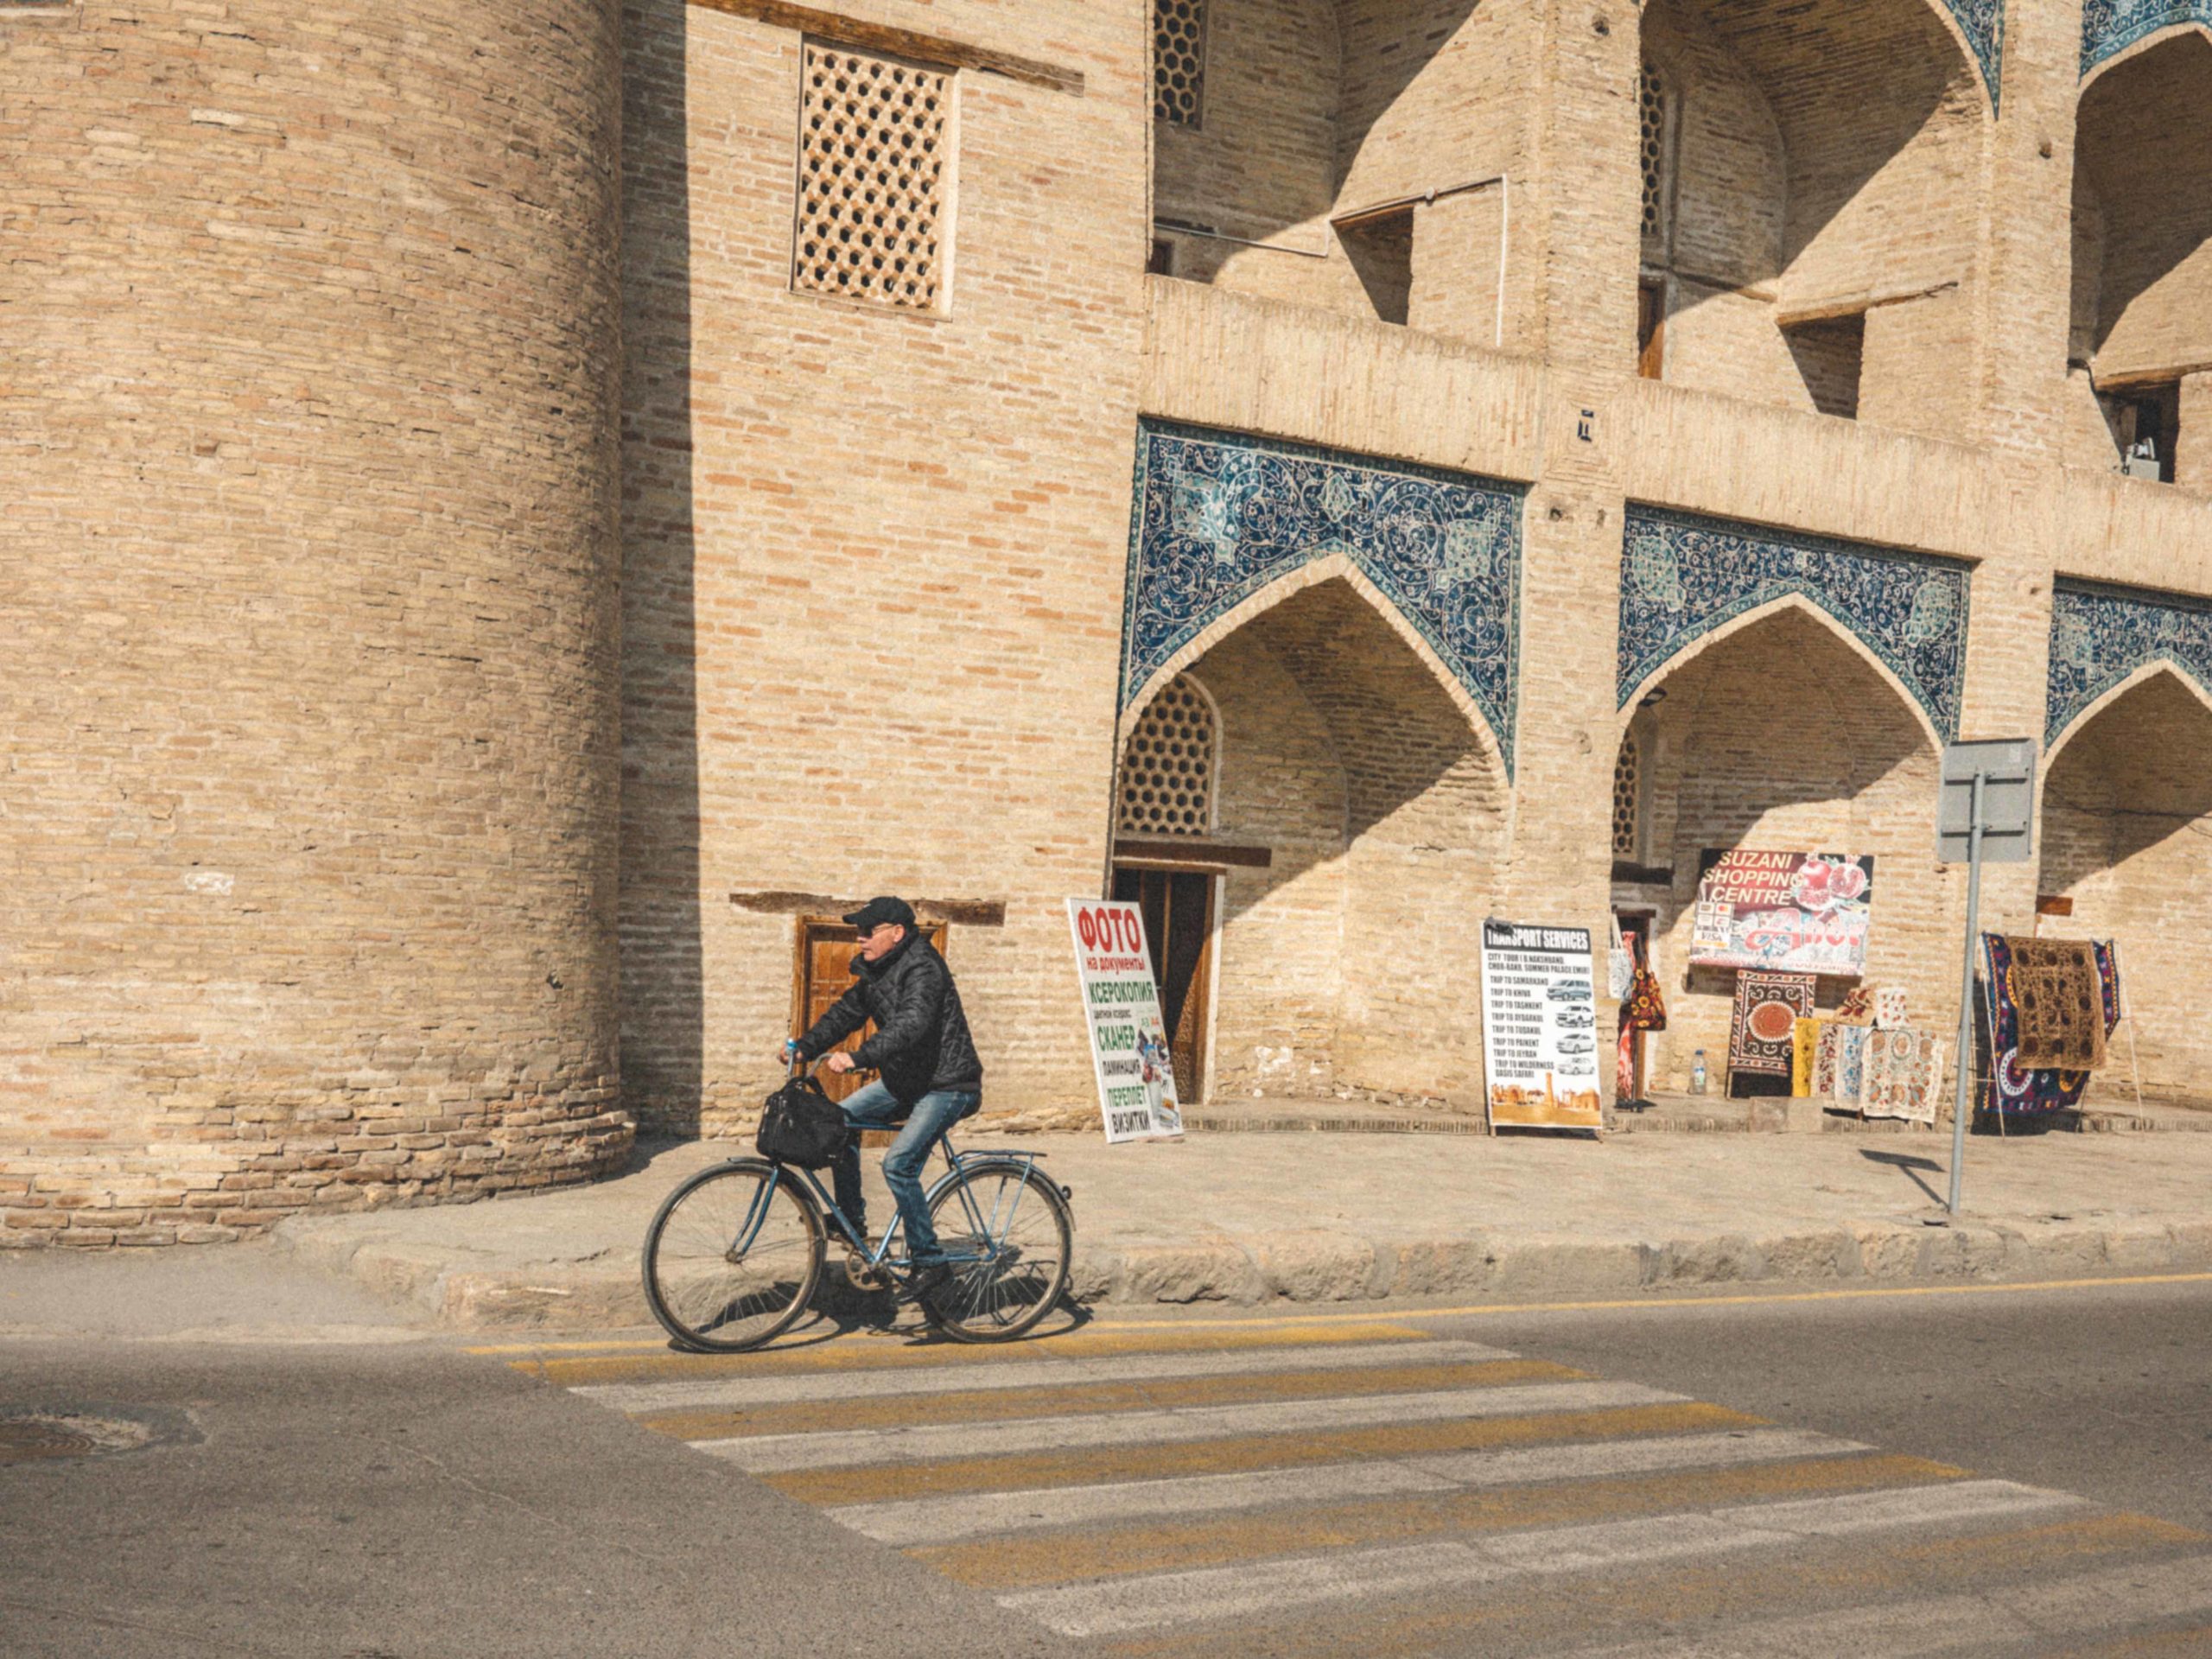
(1684,574)
(2110,27)
(2100,635)
(1219,516)
(1982,22)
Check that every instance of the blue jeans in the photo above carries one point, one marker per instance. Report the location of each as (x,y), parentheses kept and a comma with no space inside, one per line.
(875,1107)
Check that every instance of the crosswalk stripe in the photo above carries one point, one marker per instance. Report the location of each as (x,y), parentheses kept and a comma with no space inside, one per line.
(738,1390)
(780,1454)
(1138,1547)
(893,1353)
(2087,1603)
(1089,1399)
(1251,1588)
(947,1520)
(1675,1595)
(1243,1454)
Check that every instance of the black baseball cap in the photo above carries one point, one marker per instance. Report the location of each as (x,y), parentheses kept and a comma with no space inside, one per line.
(881,912)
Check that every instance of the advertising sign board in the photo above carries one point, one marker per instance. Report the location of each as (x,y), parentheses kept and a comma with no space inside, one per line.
(1787,913)
(1121,1006)
(1540,1027)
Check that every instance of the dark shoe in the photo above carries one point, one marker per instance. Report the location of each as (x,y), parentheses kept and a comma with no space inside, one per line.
(928,1274)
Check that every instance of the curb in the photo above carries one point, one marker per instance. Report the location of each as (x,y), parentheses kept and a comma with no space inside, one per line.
(467,1290)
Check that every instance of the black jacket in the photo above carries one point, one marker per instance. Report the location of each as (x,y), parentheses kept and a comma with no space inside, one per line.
(921,1042)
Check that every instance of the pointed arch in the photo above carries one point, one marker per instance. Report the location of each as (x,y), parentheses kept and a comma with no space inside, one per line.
(2055,743)
(1221,518)
(1706,643)
(1335,567)
(2117,33)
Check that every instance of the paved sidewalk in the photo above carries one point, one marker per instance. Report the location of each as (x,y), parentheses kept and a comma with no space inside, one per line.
(1319,1217)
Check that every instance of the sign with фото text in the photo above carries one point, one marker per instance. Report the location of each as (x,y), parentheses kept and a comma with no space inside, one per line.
(1540,1027)
(1121,1006)
(1787,913)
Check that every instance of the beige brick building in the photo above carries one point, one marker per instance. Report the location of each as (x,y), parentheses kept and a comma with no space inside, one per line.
(514,518)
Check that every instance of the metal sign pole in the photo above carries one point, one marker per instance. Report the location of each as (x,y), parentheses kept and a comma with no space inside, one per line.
(1964,1060)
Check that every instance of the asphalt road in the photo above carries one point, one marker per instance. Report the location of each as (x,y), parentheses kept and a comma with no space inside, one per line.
(323,1483)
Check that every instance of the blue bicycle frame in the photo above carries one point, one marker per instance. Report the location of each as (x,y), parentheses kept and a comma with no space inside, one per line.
(983,1231)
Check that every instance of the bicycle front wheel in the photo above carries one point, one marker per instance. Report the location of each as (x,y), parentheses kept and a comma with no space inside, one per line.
(1009,1233)
(732,1258)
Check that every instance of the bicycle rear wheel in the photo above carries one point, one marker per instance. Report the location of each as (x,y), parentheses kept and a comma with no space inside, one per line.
(732,1258)
(1011,1229)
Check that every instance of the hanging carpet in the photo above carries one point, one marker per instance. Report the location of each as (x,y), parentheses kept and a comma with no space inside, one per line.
(2016,1090)
(1903,1070)
(1762,1037)
(2057,1006)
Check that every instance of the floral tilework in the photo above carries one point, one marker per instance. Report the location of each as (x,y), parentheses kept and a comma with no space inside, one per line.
(2100,635)
(1218,516)
(1683,575)
(1982,22)
(2110,27)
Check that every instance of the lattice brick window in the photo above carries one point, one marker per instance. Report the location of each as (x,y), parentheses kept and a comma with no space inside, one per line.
(1167,773)
(1179,61)
(875,162)
(1651,139)
(1628,777)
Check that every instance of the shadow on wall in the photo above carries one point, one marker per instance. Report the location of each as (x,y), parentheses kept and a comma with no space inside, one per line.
(2126,833)
(1384,809)
(1782,737)
(663,1024)
(2143,205)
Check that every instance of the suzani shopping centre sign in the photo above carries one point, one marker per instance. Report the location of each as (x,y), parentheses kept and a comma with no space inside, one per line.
(1787,913)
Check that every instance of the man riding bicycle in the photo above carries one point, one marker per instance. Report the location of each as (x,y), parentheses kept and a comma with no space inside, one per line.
(928,1073)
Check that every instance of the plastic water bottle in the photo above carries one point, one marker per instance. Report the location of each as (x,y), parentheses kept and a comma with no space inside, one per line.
(1697,1072)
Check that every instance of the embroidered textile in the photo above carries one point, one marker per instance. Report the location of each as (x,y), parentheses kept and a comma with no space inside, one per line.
(1839,1065)
(1805,1049)
(2058,1021)
(2017,1090)
(1857,1008)
(1761,1038)
(1889,1008)
(1903,1069)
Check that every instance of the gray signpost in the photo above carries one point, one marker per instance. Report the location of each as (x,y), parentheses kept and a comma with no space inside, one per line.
(1986,816)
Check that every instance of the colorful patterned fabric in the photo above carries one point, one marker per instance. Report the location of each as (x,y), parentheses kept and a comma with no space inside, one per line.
(1889,1008)
(1903,1068)
(1762,1037)
(1851,1065)
(1857,1008)
(2015,1091)
(1645,1009)
(1805,1050)
(2058,1019)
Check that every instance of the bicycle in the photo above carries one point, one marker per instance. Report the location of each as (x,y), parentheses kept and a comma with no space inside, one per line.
(733,1255)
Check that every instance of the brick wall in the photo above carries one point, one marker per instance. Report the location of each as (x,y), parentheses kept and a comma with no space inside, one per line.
(1781,738)
(309,556)
(1344,962)
(2127,811)
(874,560)
(2143,181)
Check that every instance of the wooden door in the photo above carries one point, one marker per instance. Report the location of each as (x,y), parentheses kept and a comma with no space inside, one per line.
(827,950)
(1177,907)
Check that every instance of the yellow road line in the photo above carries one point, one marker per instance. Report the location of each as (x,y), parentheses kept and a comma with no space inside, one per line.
(1625,1605)
(1652,1301)
(996,1405)
(879,1355)
(1218,1541)
(1023,1471)
(1660,1299)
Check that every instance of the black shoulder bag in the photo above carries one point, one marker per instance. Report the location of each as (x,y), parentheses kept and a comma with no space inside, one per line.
(802,1126)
